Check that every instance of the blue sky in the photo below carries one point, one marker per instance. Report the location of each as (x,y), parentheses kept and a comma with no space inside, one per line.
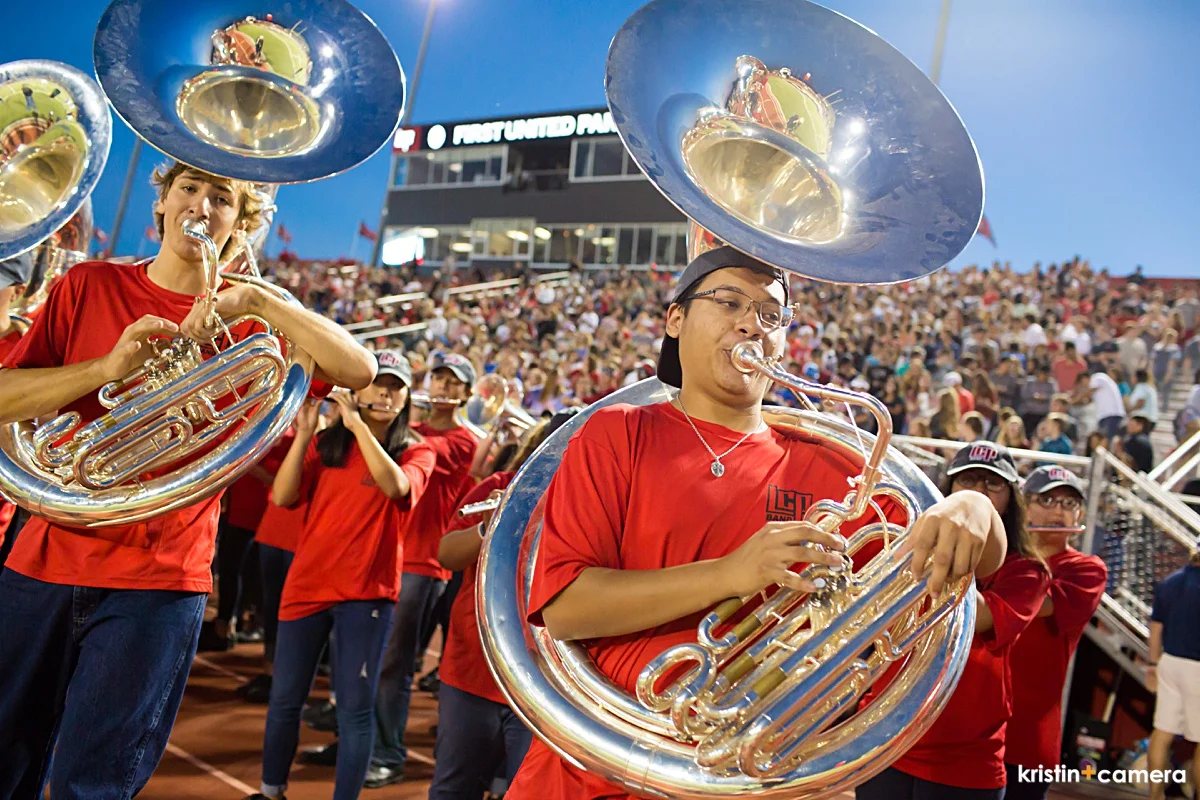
(1085,112)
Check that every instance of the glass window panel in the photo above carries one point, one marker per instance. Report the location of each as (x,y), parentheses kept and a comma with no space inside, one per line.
(607,246)
(494,167)
(681,247)
(641,253)
(583,151)
(437,172)
(625,245)
(418,171)
(473,171)
(608,157)
(401,172)
(564,245)
(664,249)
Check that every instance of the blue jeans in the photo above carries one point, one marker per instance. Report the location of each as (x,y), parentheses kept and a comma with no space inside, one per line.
(100,671)
(1110,426)
(274,564)
(418,597)
(474,734)
(362,629)
(892,784)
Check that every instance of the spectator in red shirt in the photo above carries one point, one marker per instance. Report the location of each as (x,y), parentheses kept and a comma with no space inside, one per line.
(657,513)
(360,479)
(100,624)
(1042,653)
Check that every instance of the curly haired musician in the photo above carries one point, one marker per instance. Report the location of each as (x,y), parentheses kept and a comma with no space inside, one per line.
(658,513)
(100,625)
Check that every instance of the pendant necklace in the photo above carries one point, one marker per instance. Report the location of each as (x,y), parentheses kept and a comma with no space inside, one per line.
(717,468)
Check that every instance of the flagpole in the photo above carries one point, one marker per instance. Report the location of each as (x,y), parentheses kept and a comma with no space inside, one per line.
(353,245)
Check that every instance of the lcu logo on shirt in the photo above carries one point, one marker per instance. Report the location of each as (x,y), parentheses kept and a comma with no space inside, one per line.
(785,505)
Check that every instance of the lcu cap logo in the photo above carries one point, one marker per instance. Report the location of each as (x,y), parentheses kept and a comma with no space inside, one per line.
(1059,474)
(983,453)
(389,359)
(455,359)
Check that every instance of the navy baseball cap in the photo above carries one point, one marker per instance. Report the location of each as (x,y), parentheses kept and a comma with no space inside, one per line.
(1047,478)
(670,371)
(985,455)
(463,369)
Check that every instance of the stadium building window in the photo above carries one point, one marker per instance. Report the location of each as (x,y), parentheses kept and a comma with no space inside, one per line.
(502,238)
(464,166)
(601,159)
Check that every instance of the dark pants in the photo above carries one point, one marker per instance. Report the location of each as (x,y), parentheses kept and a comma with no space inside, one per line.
(892,784)
(439,618)
(10,536)
(233,545)
(418,596)
(274,564)
(362,630)
(1023,790)
(475,736)
(102,671)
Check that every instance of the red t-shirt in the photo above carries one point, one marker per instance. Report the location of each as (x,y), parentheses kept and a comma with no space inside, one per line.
(352,547)
(965,746)
(7,509)
(281,527)
(82,319)
(463,664)
(450,481)
(1041,656)
(634,492)
(246,498)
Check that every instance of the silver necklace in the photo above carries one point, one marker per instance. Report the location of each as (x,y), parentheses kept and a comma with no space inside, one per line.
(717,468)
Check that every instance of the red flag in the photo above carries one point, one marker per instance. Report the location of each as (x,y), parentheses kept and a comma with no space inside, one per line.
(985,230)
(152,233)
(366,232)
(100,235)
(284,236)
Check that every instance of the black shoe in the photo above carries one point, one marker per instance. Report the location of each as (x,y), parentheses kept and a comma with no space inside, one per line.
(322,717)
(261,796)
(210,642)
(258,690)
(250,637)
(379,776)
(430,681)
(323,756)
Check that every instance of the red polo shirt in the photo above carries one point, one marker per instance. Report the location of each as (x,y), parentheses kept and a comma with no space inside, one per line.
(634,492)
(451,480)
(463,664)
(352,547)
(1042,654)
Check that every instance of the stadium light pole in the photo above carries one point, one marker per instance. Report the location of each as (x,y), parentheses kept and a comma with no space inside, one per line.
(939,43)
(408,107)
(134,157)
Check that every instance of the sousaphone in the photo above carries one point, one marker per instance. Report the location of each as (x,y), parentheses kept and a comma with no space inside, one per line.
(266,91)
(800,137)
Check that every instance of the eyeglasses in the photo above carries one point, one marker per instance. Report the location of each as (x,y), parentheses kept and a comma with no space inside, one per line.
(1065,503)
(735,304)
(992,483)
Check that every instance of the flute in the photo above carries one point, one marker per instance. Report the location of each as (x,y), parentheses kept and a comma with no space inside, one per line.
(479,508)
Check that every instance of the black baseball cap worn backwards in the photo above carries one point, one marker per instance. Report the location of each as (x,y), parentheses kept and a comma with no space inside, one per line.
(670,371)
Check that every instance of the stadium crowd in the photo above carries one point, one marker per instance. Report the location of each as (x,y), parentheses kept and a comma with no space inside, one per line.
(1061,358)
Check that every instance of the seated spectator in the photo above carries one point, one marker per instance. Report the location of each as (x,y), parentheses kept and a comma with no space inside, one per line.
(972,427)
(1012,433)
(1136,449)
(1052,439)
(946,422)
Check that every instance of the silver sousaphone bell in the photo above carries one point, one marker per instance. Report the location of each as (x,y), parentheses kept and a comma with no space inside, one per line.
(55,133)
(800,137)
(270,92)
